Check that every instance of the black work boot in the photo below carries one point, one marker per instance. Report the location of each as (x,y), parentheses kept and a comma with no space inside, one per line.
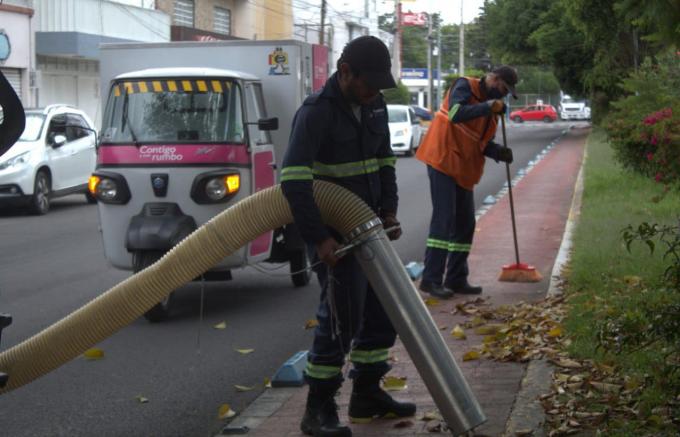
(435,290)
(464,287)
(321,415)
(369,401)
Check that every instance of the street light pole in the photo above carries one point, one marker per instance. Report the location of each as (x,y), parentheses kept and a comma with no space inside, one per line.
(439,65)
(461,47)
(429,64)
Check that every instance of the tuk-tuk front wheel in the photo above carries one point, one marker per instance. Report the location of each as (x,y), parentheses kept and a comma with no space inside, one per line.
(142,259)
(299,268)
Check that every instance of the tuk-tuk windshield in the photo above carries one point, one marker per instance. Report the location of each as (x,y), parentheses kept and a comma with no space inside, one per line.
(174,111)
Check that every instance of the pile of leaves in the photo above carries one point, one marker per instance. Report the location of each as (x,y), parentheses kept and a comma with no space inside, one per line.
(585,395)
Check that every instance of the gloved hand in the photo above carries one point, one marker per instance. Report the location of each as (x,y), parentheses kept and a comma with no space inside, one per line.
(390,220)
(505,154)
(326,251)
(497,106)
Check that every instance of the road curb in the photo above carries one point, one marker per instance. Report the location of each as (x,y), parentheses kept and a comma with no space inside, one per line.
(527,414)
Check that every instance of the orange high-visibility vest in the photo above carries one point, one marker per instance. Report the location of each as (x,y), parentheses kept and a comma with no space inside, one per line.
(456,149)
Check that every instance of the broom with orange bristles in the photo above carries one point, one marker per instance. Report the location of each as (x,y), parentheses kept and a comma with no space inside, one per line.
(518,272)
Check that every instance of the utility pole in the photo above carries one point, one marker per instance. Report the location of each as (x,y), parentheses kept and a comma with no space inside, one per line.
(461,47)
(322,31)
(439,65)
(430,92)
(396,51)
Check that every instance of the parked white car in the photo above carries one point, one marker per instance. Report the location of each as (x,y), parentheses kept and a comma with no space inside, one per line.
(54,156)
(405,129)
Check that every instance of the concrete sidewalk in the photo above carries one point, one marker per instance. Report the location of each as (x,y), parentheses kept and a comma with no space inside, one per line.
(542,204)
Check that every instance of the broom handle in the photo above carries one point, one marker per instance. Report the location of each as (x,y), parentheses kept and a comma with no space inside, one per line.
(512,203)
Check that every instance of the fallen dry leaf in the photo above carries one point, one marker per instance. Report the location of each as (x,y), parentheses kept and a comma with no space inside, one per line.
(245,351)
(141,399)
(471,355)
(94,354)
(225,412)
(431,302)
(311,323)
(241,388)
(221,325)
(458,333)
(394,383)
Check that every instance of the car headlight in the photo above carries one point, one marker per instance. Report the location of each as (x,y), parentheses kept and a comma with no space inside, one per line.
(109,187)
(16,160)
(215,187)
(399,133)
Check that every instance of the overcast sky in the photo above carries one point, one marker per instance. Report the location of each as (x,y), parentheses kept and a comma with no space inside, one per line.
(450,9)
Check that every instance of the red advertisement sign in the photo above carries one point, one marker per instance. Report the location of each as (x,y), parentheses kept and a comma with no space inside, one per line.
(320,62)
(414,18)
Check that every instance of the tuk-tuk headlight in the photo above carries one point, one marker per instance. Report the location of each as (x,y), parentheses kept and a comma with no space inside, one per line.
(215,187)
(109,187)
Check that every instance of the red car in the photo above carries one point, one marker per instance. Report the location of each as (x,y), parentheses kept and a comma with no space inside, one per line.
(546,113)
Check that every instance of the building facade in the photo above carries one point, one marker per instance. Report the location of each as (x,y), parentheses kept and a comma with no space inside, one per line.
(16,47)
(205,20)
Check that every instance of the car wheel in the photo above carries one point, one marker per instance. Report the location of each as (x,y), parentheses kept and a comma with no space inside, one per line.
(517,119)
(89,197)
(299,268)
(409,152)
(40,201)
(547,119)
(142,259)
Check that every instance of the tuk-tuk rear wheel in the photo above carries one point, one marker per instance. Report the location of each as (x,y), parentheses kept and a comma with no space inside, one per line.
(299,268)
(142,259)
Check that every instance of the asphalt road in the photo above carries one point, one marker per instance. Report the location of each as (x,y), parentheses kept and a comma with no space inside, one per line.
(53,264)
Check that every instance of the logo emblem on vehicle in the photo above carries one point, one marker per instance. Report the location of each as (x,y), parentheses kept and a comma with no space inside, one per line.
(278,63)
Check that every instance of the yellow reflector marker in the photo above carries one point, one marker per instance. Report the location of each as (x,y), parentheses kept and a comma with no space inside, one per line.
(172,86)
(129,89)
(233,182)
(92,184)
(142,87)
(217,86)
(228,84)
(116,90)
(202,87)
(186,84)
(157,87)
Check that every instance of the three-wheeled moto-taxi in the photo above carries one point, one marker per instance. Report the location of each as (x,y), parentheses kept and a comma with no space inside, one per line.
(178,146)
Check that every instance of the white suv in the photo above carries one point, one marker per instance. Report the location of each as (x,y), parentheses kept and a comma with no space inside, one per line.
(54,156)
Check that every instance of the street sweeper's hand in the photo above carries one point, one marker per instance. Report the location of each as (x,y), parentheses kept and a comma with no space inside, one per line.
(326,251)
(497,106)
(505,154)
(390,221)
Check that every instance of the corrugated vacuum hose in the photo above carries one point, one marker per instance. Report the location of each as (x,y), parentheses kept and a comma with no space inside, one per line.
(224,234)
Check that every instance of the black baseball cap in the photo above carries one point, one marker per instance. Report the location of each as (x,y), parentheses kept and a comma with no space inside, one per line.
(369,57)
(509,76)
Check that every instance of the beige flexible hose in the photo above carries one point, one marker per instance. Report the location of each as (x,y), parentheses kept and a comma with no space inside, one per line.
(125,302)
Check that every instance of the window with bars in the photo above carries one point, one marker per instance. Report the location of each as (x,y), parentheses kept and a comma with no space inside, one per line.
(184,13)
(222,20)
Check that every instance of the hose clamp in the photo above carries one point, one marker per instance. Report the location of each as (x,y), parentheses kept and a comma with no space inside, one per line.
(364,228)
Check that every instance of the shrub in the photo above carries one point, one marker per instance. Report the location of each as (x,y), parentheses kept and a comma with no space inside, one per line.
(398,96)
(644,127)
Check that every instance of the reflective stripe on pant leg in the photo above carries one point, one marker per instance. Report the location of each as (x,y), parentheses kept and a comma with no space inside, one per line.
(461,241)
(319,371)
(442,193)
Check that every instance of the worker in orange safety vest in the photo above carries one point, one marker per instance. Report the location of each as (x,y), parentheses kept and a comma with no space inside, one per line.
(454,149)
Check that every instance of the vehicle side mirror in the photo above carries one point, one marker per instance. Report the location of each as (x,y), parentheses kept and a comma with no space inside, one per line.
(58,140)
(267,124)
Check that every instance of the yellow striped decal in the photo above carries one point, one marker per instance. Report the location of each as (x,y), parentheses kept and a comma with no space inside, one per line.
(157,87)
(129,88)
(116,90)
(186,85)
(217,86)
(162,86)
(172,86)
(142,87)
(202,87)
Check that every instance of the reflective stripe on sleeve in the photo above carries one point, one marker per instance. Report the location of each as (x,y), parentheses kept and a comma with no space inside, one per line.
(452,112)
(296,173)
(390,161)
(369,357)
(346,169)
